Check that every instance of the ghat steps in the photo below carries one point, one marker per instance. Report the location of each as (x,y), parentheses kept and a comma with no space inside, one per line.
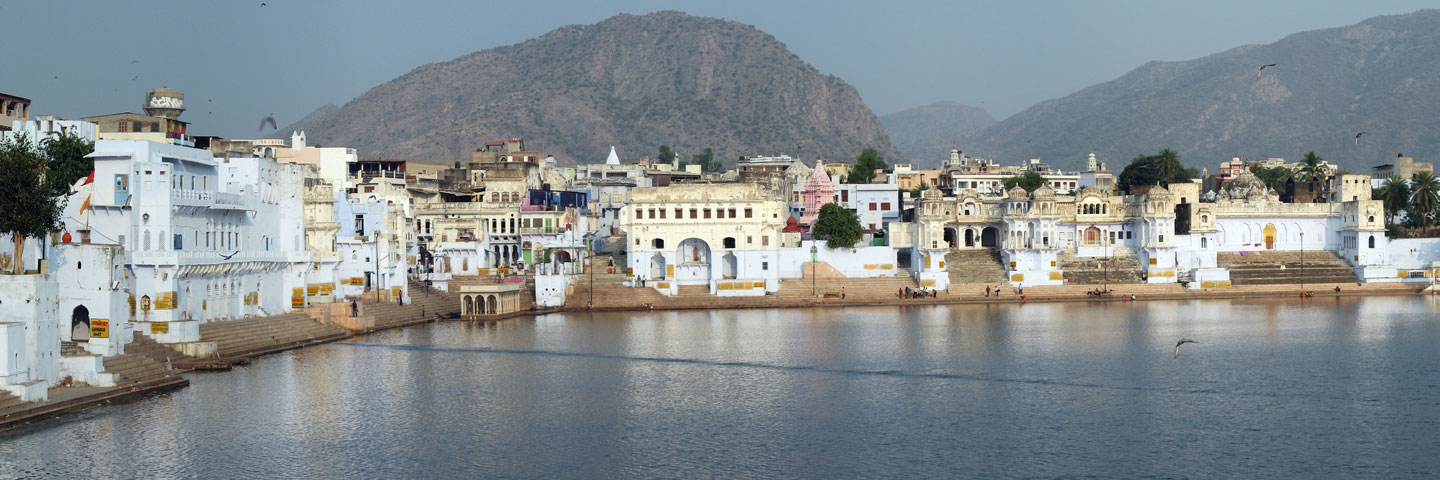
(1271,268)
(975,266)
(1120,267)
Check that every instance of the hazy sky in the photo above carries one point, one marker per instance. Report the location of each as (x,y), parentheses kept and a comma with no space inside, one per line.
(237,61)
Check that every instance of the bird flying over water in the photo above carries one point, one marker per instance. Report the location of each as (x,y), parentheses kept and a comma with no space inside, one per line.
(1357,137)
(1182,342)
(227,257)
(269,120)
(1262,68)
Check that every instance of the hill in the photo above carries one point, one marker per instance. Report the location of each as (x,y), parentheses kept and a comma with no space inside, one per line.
(927,133)
(1381,76)
(635,82)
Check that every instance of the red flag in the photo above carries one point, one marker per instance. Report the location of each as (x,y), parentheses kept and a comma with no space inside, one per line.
(90,179)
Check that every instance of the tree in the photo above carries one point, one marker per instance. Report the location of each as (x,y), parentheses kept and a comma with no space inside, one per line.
(1030,181)
(919,189)
(666,156)
(30,208)
(1162,169)
(839,226)
(66,162)
(1425,197)
(1274,177)
(1311,169)
(706,161)
(866,163)
(1395,193)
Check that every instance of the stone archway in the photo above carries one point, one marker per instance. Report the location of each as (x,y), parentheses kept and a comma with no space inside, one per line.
(990,237)
(969,237)
(80,324)
(469,306)
(950,238)
(1269,233)
(492,305)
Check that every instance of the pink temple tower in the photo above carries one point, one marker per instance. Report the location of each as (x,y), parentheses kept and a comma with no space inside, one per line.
(818,192)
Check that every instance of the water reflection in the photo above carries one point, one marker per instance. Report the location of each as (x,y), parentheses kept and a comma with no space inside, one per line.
(1323,387)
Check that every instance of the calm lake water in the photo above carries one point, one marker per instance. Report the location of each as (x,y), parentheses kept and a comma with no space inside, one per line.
(1324,389)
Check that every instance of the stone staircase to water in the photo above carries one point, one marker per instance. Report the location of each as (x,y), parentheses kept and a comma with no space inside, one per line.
(255,336)
(882,288)
(10,404)
(1120,267)
(983,266)
(1272,268)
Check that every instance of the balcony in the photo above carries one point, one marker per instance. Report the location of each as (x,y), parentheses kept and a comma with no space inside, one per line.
(192,198)
(232,201)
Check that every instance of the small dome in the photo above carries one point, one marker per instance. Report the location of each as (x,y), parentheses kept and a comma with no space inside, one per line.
(1044,192)
(1247,181)
(1017,193)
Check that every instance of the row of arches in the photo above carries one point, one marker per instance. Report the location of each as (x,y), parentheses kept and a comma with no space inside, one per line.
(988,237)
(481,305)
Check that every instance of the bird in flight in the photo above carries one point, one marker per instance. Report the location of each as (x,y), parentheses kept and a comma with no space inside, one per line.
(1262,68)
(227,257)
(1357,137)
(270,120)
(1182,342)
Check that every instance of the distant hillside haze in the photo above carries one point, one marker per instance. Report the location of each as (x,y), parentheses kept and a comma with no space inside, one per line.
(635,82)
(1381,76)
(926,134)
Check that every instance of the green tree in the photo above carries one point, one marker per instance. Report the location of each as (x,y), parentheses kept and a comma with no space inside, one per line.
(706,161)
(1030,181)
(919,189)
(666,155)
(866,163)
(1163,169)
(838,226)
(30,208)
(1273,177)
(1425,197)
(1395,193)
(66,162)
(1311,169)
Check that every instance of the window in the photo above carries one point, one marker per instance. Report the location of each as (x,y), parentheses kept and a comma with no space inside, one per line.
(123,127)
(729,242)
(764,265)
(719,213)
(658,243)
(885,205)
(1372,241)
(845,196)
(707,213)
(662,213)
(748,213)
(1162,238)
(749,240)
(694,213)
(764,240)
(1372,219)
(679,213)
(872,206)
(1203,243)
(732,213)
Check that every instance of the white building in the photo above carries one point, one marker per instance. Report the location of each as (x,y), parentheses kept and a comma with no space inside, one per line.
(205,238)
(725,237)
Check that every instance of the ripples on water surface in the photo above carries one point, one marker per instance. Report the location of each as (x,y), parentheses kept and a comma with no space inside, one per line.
(1337,389)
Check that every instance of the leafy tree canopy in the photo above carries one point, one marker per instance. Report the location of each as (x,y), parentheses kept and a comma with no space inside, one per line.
(866,163)
(839,226)
(1311,169)
(706,161)
(30,207)
(1424,199)
(1163,169)
(1030,181)
(1274,177)
(666,155)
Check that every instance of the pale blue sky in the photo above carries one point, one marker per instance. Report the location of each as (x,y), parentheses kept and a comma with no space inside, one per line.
(237,61)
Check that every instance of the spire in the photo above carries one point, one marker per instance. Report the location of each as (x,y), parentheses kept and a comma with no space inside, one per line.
(613,159)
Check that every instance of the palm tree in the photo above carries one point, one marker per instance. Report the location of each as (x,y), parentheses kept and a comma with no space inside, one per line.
(1169,168)
(1425,196)
(1395,192)
(1311,169)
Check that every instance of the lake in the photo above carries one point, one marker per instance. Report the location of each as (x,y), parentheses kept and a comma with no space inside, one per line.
(1346,388)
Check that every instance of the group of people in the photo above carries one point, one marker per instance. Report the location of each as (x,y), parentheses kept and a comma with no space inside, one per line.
(1018,290)
(908,292)
(1099,291)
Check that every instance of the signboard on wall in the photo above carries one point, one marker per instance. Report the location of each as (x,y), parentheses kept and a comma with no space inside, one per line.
(99,328)
(397,292)
(159,328)
(327,288)
(166,301)
(312,289)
